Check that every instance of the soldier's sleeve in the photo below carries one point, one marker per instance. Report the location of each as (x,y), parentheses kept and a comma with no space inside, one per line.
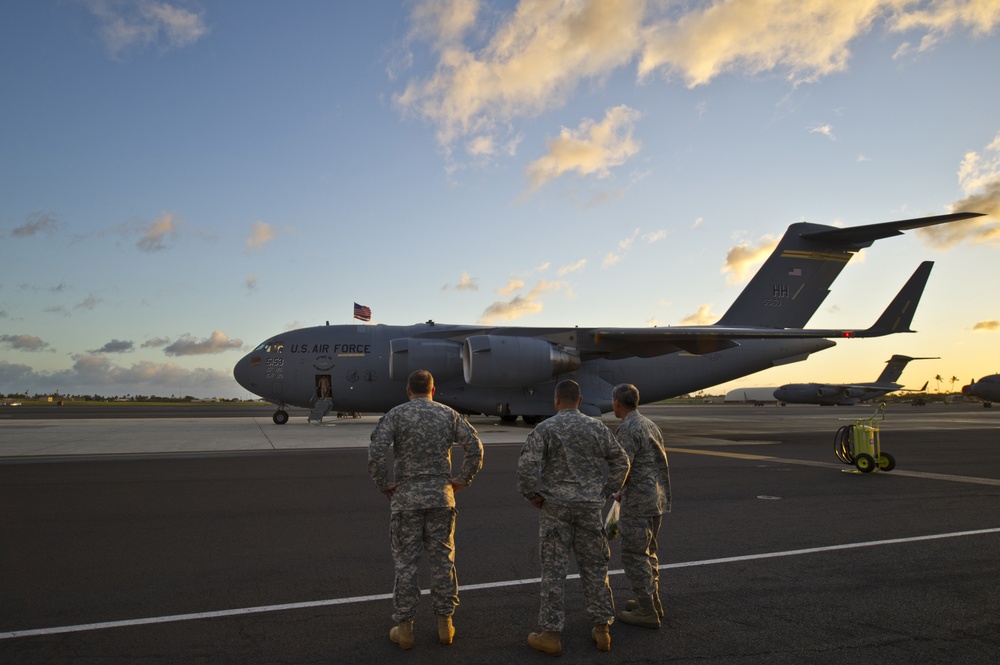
(618,464)
(627,439)
(378,467)
(468,438)
(528,465)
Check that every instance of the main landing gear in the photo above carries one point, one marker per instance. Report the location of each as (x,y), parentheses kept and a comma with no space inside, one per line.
(280,416)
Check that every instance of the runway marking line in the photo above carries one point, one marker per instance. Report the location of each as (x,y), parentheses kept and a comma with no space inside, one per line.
(971,480)
(79,628)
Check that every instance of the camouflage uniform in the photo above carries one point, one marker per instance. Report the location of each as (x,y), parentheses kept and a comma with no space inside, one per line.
(561,461)
(421,433)
(645,497)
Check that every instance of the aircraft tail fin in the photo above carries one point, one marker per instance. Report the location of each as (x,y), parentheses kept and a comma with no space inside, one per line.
(795,280)
(894,368)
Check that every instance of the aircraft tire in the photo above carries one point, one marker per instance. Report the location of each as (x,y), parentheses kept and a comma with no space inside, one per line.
(886,462)
(865,463)
(280,417)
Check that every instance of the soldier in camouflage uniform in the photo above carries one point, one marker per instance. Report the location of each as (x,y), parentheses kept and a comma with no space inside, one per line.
(561,471)
(644,499)
(422,495)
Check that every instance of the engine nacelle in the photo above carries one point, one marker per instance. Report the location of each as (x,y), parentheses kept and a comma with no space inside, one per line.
(442,358)
(506,362)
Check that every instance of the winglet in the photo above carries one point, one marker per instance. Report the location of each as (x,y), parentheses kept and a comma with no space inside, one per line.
(898,316)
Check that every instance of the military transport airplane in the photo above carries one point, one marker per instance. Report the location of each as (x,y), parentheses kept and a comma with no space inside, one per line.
(511,371)
(846,394)
(986,389)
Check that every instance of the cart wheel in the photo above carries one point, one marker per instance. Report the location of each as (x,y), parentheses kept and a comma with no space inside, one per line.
(865,463)
(886,462)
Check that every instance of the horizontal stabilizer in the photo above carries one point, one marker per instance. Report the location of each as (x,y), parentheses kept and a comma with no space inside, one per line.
(859,237)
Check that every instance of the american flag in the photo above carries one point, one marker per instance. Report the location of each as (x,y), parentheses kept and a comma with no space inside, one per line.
(363,313)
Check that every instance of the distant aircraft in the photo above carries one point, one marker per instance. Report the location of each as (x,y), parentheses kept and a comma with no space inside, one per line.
(511,371)
(986,389)
(846,394)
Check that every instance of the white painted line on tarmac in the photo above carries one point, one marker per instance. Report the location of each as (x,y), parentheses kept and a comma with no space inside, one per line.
(970,480)
(219,614)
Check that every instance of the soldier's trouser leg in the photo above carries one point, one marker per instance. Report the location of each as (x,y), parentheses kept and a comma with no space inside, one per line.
(592,557)
(639,554)
(406,528)
(439,543)
(554,540)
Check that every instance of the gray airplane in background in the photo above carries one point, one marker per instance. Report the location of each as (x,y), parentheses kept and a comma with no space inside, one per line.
(986,389)
(511,371)
(846,394)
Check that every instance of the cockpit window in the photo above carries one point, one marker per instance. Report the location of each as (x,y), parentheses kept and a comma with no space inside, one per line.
(271,347)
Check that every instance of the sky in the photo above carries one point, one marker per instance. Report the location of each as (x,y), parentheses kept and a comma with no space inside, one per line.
(182,179)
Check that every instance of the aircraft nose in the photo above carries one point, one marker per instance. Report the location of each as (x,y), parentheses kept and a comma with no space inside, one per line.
(241,372)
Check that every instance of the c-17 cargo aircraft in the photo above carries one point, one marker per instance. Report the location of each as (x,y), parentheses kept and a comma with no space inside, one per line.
(986,389)
(512,371)
(846,394)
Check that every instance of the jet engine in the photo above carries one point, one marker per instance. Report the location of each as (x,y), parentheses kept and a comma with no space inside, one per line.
(442,358)
(506,362)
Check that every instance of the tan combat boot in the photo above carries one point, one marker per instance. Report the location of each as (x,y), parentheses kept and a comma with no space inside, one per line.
(402,634)
(446,630)
(657,605)
(601,634)
(546,641)
(643,615)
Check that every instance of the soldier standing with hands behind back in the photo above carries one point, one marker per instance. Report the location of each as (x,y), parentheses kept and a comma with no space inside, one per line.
(561,472)
(421,433)
(644,499)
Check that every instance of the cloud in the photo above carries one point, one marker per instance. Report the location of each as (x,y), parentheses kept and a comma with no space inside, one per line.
(36,222)
(519,305)
(535,57)
(187,345)
(97,374)
(703,317)
(116,346)
(592,149)
(261,234)
(989,325)
(979,177)
(742,258)
(155,236)
(134,24)
(512,286)
(465,283)
(23,343)
(575,267)
(623,247)
(250,283)
(155,343)
(492,68)
(825,129)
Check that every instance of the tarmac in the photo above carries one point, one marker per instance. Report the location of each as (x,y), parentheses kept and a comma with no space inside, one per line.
(217,536)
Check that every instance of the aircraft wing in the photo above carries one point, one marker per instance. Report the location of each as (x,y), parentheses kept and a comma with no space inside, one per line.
(649,342)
